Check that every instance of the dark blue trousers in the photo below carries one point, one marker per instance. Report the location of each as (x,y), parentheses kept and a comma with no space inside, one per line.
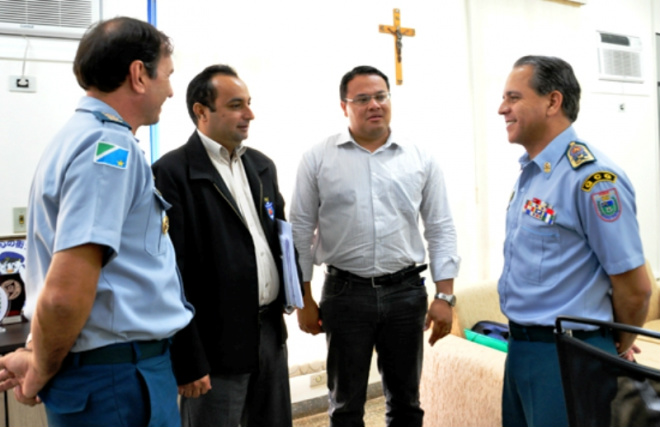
(141,394)
(532,393)
(358,318)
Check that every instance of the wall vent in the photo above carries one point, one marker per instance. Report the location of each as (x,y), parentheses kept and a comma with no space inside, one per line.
(48,18)
(620,58)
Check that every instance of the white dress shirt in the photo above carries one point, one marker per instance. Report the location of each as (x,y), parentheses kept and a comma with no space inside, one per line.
(230,168)
(359,211)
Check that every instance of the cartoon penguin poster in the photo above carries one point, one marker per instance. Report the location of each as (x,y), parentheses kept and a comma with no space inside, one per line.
(12,267)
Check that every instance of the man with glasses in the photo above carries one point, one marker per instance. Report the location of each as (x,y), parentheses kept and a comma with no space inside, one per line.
(355,208)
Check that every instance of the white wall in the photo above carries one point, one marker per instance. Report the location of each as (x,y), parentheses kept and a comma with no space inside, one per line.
(29,120)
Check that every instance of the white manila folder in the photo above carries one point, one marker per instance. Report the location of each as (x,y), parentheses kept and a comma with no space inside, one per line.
(292,290)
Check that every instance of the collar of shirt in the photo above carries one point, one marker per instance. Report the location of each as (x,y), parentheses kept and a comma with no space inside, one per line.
(94,104)
(347,138)
(549,158)
(90,103)
(217,151)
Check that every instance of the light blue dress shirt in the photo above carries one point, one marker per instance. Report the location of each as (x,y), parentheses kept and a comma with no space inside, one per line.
(567,230)
(359,211)
(93,185)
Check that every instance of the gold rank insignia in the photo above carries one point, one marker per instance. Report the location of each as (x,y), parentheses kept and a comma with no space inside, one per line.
(578,154)
(112,117)
(166,224)
(547,167)
(596,178)
(104,117)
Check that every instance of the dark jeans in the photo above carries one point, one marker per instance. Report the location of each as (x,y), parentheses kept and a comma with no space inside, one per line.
(358,317)
(257,399)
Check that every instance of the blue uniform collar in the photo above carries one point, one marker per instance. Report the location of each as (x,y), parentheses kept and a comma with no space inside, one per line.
(548,159)
(101,110)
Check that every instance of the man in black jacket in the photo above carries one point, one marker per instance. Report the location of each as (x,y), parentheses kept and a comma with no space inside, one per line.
(231,361)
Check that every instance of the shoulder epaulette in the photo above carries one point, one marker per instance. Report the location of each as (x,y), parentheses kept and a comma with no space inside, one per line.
(578,154)
(107,117)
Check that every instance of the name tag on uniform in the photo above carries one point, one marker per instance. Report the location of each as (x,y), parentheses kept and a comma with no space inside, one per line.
(540,210)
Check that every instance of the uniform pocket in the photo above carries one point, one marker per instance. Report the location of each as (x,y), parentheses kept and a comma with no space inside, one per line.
(64,401)
(536,246)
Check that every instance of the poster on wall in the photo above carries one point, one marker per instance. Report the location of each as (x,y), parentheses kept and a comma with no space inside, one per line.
(12,268)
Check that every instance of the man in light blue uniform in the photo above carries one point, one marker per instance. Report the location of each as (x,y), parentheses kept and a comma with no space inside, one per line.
(572,241)
(103,291)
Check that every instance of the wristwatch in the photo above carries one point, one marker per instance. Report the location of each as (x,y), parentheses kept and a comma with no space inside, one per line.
(451,299)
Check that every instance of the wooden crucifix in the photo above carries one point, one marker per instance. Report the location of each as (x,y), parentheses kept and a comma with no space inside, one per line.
(398,34)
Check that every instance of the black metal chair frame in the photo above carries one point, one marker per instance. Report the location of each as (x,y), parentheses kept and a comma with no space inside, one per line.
(637,372)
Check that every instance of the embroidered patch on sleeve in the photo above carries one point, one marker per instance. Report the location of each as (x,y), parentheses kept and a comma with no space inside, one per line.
(596,178)
(607,204)
(111,155)
(540,210)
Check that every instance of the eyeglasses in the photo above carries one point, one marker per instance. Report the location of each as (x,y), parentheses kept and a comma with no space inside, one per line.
(380,98)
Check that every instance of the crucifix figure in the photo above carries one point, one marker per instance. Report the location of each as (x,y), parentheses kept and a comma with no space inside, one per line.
(398,34)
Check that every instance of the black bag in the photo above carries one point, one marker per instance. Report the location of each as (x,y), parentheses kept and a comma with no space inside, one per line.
(497,330)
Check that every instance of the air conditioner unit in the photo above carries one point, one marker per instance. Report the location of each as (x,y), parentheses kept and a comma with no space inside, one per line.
(48,18)
(620,58)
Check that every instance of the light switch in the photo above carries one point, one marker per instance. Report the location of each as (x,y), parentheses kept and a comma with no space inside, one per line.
(20,220)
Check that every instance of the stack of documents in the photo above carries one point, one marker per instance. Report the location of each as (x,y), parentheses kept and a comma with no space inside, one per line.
(292,290)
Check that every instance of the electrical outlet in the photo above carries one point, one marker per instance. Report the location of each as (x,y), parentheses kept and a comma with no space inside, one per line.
(318,379)
(20,220)
(22,84)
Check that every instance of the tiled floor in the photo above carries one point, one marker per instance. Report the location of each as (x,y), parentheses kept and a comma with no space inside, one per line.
(374,416)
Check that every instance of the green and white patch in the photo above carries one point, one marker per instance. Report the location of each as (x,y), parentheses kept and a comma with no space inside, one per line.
(111,155)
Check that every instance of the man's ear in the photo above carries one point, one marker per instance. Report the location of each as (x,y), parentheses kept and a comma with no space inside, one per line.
(554,106)
(200,111)
(138,76)
(343,107)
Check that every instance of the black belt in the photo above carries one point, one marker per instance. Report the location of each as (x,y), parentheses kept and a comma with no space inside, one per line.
(387,279)
(130,352)
(547,333)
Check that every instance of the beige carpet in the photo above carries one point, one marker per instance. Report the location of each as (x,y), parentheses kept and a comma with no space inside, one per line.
(374,416)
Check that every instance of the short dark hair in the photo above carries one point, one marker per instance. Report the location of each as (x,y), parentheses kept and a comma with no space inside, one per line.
(200,88)
(108,48)
(552,73)
(361,70)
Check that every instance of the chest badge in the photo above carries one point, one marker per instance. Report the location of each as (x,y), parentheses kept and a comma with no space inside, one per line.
(269,209)
(540,210)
